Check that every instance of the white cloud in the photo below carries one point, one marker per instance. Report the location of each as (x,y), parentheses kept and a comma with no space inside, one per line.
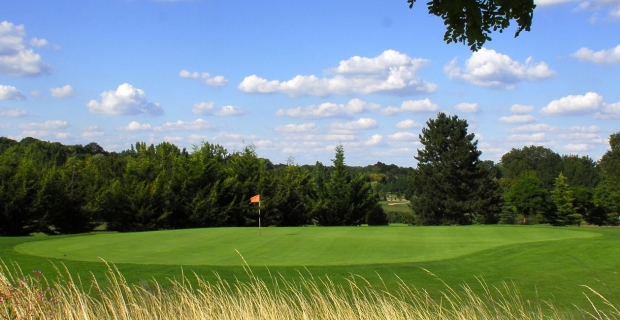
(609,111)
(35,93)
(10,93)
(216,81)
(519,108)
(404,136)
(16,58)
(12,112)
(517,118)
(391,72)
(198,125)
(491,69)
(329,109)
(203,108)
(408,124)
(538,137)
(412,106)
(47,125)
(296,128)
(360,124)
(552,2)
(227,111)
(467,107)
(573,105)
(577,147)
(534,128)
(126,100)
(580,136)
(137,126)
(62,92)
(36,42)
(609,56)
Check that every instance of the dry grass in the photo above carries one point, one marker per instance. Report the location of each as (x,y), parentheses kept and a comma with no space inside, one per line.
(32,296)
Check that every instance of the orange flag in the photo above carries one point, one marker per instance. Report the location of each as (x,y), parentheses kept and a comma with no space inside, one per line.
(255,198)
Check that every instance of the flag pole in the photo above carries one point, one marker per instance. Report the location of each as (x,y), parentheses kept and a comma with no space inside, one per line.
(259,232)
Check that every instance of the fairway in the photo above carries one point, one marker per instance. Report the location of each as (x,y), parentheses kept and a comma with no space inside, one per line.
(292,246)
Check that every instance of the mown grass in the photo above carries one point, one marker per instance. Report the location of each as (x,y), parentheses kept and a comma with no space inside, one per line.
(544,270)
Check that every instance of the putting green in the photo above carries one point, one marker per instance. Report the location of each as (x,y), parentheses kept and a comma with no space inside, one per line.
(292,246)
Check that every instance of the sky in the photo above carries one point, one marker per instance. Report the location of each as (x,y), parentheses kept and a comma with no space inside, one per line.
(298,78)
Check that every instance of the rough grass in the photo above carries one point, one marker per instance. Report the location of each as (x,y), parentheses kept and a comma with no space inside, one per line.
(35,297)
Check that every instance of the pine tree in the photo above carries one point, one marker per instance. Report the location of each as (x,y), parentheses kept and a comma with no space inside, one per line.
(448,178)
(563,198)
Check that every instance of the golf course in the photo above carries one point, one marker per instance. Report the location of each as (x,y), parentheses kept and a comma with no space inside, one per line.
(544,263)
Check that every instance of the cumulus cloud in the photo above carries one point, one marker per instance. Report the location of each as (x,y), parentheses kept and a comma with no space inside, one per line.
(216,81)
(203,108)
(62,92)
(519,108)
(227,111)
(552,2)
(573,105)
(137,126)
(488,68)
(408,124)
(125,100)
(412,106)
(198,125)
(360,124)
(537,137)
(47,128)
(404,136)
(533,128)
(609,111)
(329,109)
(467,107)
(16,57)
(36,42)
(296,128)
(35,93)
(517,118)
(12,112)
(391,72)
(577,147)
(609,56)
(10,93)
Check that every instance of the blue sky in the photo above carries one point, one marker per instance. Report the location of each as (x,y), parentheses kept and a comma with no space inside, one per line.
(298,78)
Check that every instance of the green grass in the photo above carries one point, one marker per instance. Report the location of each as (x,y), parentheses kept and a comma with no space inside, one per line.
(291,246)
(546,263)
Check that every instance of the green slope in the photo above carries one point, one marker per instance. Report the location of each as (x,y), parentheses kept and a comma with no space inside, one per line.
(292,246)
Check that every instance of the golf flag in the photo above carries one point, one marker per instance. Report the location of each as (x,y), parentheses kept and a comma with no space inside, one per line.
(255,198)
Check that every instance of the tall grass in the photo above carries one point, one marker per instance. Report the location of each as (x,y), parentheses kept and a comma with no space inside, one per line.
(34,296)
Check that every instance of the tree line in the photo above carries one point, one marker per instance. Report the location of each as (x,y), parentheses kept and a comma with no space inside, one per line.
(451,185)
(57,189)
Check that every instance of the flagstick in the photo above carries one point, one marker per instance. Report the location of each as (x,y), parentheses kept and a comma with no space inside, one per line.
(259,232)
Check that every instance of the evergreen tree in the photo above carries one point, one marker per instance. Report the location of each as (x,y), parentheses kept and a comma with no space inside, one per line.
(607,193)
(447,184)
(562,197)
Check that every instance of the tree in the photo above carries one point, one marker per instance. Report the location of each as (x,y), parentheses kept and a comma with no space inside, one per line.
(342,199)
(527,196)
(563,198)
(607,193)
(543,161)
(447,183)
(474,20)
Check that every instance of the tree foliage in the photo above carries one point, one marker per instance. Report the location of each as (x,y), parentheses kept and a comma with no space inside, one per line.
(473,21)
(450,185)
